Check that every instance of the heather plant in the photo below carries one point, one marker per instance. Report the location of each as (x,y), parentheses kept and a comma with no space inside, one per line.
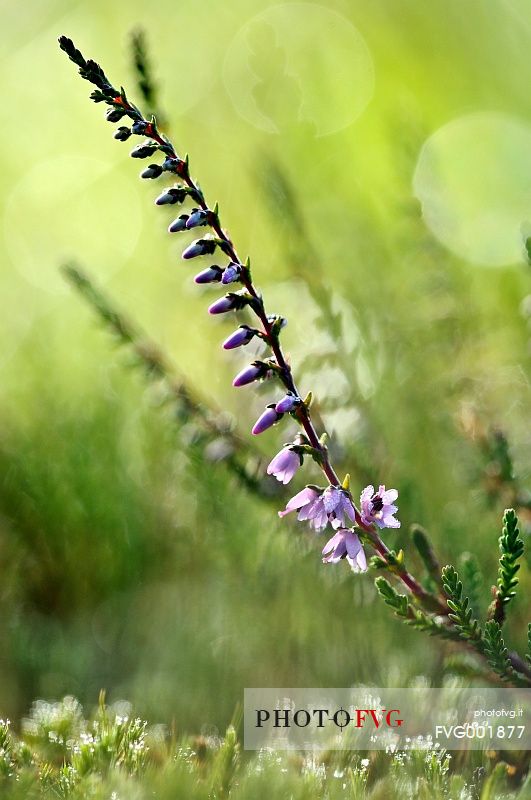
(436,604)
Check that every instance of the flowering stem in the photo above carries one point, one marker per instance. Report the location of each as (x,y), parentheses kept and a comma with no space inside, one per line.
(302,412)
(120,106)
(286,376)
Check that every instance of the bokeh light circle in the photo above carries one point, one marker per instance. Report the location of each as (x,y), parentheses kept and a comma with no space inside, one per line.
(473,180)
(299,64)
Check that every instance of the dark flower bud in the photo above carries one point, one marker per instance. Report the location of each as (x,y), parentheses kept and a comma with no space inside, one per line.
(122,134)
(241,336)
(114,114)
(153,171)
(200,247)
(170,196)
(197,218)
(178,224)
(144,150)
(139,126)
(232,273)
(210,275)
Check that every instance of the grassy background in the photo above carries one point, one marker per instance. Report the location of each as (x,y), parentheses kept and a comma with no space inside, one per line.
(128,561)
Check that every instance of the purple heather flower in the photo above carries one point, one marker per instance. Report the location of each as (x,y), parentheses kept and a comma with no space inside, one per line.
(241,336)
(287,403)
(200,247)
(345,544)
(337,504)
(210,275)
(284,465)
(321,507)
(268,418)
(178,224)
(300,501)
(197,218)
(378,507)
(249,374)
(232,273)
(315,513)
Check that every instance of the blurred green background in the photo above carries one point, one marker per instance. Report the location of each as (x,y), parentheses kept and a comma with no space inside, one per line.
(374,159)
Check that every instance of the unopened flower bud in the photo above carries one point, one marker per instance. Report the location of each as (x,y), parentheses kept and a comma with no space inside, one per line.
(266,420)
(122,134)
(288,403)
(178,224)
(251,373)
(197,218)
(176,165)
(114,114)
(144,150)
(224,304)
(210,275)
(232,273)
(139,126)
(201,247)
(170,196)
(153,171)
(242,336)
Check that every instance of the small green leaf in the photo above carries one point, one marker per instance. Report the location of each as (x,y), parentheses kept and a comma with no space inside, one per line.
(496,651)
(468,628)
